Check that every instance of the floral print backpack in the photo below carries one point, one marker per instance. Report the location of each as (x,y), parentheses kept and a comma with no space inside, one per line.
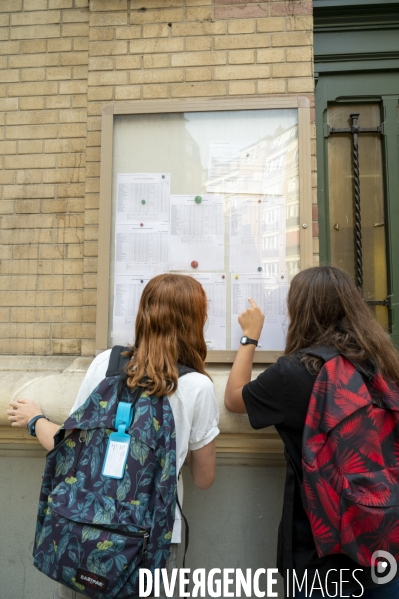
(94,532)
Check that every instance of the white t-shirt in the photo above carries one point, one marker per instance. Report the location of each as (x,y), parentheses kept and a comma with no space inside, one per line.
(194,408)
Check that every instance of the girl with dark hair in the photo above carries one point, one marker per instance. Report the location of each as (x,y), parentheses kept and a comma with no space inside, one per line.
(169,331)
(325,309)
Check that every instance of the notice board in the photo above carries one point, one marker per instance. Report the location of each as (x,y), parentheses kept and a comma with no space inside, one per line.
(217,190)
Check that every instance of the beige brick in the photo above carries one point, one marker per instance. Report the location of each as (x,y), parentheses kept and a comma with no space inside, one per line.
(7,177)
(127,62)
(70,161)
(8,147)
(186,29)
(173,15)
(232,42)
(58,102)
(23,315)
(3,61)
(80,44)
(56,145)
(35,4)
(108,78)
(157,76)
(101,34)
(72,116)
(31,117)
(32,132)
(198,59)
(273,86)
(27,207)
(6,207)
(128,33)
(75,16)
(198,89)
(75,251)
(4,314)
(74,282)
(27,191)
(76,190)
(241,26)
(58,73)
(29,161)
(74,58)
(301,85)
(59,45)
(30,147)
(26,235)
(93,154)
(35,31)
(55,176)
(32,89)
(199,14)
(90,264)
(10,5)
(33,60)
(301,54)
(269,55)
(9,76)
(199,74)
(194,44)
(50,314)
(73,314)
(161,3)
(94,139)
(107,19)
(94,124)
(99,93)
(88,314)
(101,64)
(73,87)
(68,267)
(88,348)
(33,74)
(52,252)
(35,18)
(66,346)
(292,39)
(159,30)
(156,61)
(28,176)
(61,4)
(156,45)
(270,24)
(8,104)
(7,48)
(237,88)
(298,69)
(4,20)
(242,72)
(241,56)
(25,252)
(107,48)
(155,91)
(75,29)
(299,23)
(98,5)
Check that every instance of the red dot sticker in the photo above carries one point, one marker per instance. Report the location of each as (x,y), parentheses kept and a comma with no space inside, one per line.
(194,264)
(141,224)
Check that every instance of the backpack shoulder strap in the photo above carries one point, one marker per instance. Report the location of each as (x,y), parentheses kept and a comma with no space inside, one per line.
(324,352)
(117,361)
(184,369)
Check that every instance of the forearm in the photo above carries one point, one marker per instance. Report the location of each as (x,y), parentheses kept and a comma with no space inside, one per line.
(45,431)
(240,375)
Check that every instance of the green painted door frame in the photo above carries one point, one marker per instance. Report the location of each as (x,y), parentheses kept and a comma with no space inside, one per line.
(382,87)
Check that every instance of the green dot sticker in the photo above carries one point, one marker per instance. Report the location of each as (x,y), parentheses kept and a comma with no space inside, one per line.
(143,201)
(198,199)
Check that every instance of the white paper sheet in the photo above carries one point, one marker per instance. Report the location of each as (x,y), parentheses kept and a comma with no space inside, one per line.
(214,285)
(257,234)
(127,294)
(143,196)
(196,233)
(141,247)
(270,294)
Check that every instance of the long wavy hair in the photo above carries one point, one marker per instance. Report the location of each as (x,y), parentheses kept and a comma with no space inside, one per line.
(169,329)
(326,308)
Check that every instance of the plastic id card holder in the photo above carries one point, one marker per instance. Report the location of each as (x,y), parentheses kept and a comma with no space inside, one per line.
(118,443)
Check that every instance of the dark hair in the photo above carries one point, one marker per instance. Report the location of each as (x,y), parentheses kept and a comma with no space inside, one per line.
(169,329)
(326,308)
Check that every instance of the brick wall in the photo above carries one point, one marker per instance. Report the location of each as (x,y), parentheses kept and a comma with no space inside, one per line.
(51,112)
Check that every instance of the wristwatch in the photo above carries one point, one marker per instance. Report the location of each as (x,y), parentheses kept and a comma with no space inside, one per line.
(247,340)
(31,426)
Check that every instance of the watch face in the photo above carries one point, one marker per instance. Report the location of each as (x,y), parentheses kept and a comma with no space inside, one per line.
(244,340)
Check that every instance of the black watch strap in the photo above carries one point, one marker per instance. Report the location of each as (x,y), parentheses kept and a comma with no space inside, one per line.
(31,426)
(248,341)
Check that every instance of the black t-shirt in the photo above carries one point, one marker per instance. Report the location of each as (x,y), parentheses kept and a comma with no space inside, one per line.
(280,397)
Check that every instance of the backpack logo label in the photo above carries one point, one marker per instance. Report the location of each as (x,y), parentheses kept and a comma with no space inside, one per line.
(94,581)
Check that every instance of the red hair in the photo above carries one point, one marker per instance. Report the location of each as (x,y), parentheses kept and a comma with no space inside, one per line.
(169,329)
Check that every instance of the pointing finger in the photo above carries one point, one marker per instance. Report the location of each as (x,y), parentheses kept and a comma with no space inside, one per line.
(252,302)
